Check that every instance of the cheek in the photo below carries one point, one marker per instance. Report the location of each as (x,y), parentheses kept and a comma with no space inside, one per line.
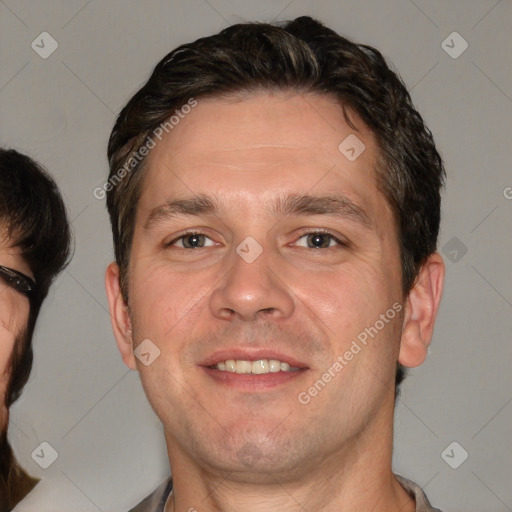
(13,319)
(6,348)
(163,299)
(7,340)
(346,300)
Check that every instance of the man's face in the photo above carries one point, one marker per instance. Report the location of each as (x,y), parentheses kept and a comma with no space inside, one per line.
(304,300)
(14,311)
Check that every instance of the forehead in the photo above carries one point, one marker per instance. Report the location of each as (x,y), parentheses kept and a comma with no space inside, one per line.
(261,146)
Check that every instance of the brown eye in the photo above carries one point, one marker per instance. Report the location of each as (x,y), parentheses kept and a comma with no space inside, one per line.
(319,240)
(192,241)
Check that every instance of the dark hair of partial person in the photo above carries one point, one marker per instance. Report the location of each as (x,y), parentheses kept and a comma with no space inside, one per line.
(33,219)
(300,56)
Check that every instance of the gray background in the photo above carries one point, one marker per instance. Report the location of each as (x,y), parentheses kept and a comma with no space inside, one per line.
(82,399)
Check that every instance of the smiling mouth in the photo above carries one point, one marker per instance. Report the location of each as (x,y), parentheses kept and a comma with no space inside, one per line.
(258,367)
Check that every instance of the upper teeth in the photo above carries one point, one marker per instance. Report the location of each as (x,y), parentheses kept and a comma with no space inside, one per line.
(256,367)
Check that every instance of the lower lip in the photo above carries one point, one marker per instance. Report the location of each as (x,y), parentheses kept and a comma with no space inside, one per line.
(253,382)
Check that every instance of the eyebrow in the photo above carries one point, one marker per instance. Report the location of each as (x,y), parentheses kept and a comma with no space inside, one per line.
(334,205)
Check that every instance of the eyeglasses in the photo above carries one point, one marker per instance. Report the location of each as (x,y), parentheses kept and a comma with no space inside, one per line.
(20,282)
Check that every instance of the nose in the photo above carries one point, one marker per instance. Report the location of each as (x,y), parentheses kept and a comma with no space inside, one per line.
(252,289)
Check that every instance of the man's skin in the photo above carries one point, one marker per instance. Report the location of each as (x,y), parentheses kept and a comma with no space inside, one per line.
(14,311)
(308,304)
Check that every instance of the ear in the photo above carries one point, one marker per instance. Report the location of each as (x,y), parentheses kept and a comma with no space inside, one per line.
(420,312)
(119,316)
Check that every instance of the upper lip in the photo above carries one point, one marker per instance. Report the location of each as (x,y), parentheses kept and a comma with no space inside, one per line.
(254,354)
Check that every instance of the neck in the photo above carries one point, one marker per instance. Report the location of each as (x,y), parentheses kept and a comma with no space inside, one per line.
(355,477)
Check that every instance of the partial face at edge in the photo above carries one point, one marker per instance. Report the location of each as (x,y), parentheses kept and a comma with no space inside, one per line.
(14,312)
(321,280)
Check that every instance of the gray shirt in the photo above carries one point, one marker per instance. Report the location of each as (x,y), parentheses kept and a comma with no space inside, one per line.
(155,502)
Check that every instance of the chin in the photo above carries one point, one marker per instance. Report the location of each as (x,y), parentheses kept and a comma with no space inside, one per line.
(255,455)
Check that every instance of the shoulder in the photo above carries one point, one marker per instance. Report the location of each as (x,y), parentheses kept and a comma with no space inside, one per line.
(155,502)
(415,491)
